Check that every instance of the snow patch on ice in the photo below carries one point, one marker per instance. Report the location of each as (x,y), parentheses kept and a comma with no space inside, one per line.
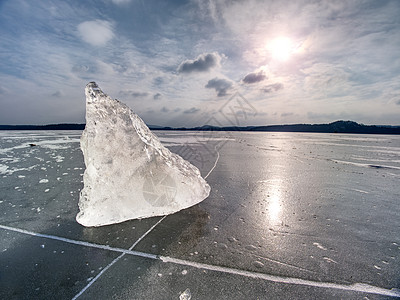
(59,158)
(3,169)
(320,246)
(330,260)
(186,295)
(56,144)
(7,171)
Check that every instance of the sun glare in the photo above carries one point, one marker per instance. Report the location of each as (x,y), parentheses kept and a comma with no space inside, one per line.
(281,48)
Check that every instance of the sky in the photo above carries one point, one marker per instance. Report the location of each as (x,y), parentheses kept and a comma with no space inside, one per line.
(197,62)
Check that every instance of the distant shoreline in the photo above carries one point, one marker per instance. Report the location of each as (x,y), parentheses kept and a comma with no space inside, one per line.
(44,127)
(334,127)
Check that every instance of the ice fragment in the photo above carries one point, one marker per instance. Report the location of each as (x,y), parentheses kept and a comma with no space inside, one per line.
(129,173)
(186,295)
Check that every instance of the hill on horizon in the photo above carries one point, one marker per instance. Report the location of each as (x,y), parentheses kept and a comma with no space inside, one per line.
(334,127)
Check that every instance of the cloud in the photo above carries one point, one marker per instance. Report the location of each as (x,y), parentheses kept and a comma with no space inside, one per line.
(221,86)
(80,69)
(139,94)
(134,94)
(164,109)
(57,94)
(254,77)
(150,111)
(158,81)
(192,110)
(329,117)
(327,79)
(272,87)
(346,56)
(121,2)
(157,96)
(203,63)
(2,90)
(286,114)
(96,33)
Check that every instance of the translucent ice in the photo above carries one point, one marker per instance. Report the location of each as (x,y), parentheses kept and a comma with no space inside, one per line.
(129,173)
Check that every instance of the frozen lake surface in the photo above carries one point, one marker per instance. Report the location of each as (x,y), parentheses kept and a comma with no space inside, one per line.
(290,215)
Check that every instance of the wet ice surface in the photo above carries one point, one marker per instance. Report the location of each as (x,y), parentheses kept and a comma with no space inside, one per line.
(321,207)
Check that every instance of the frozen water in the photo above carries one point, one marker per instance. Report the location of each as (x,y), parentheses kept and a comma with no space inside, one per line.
(283,193)
(129,173)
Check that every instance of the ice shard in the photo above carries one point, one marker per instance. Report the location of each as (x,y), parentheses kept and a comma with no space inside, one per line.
(129,173)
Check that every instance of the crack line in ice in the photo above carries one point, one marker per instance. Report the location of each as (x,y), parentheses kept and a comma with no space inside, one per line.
(82,243)
(355,287)
(285,264)
(215,164)
(98,276)
(117,259)
(365,165)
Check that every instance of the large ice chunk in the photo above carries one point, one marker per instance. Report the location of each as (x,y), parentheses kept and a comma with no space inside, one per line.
(129,173)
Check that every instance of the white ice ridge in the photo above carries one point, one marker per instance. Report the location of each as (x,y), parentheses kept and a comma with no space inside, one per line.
(129,173)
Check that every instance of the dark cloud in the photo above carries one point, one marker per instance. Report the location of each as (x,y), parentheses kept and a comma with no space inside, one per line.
(139,94)
(158,81)
(398,102)
(272,87)
(220,85)
(57,94)
(203,63)
(134,94)
(157,96)
(254,77)
(149,111)
(164,109)
(192,110)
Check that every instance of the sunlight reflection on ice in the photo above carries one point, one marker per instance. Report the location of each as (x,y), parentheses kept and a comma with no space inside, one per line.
(274,200)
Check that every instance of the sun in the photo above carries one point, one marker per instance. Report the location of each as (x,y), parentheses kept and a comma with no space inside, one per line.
(281,48)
